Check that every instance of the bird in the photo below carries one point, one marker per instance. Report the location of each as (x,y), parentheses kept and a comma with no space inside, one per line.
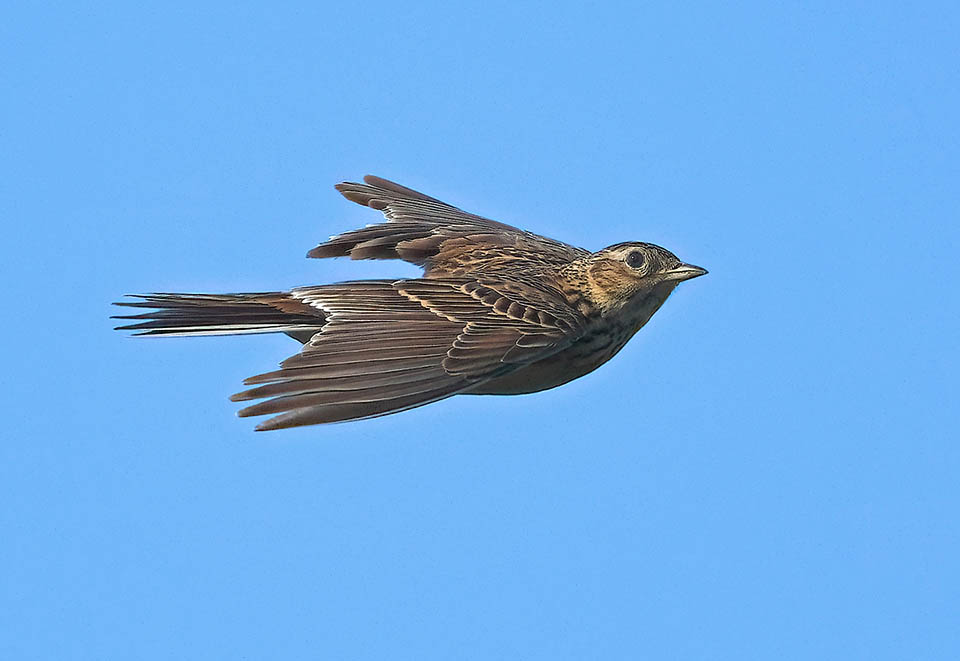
(498,310)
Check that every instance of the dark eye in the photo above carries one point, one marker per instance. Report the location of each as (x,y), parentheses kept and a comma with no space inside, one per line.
(636,259)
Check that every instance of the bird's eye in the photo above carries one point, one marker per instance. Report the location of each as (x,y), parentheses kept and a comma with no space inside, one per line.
(636,259)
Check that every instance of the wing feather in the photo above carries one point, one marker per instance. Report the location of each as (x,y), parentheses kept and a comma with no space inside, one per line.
(321,414)
(433,234)
(388,346)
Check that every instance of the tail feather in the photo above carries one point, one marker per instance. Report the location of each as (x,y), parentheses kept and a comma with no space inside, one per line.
(222,314)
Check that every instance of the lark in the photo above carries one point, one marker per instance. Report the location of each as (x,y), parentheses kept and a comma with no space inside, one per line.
(498,311)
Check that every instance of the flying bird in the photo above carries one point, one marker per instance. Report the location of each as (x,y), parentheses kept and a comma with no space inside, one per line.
(498,311)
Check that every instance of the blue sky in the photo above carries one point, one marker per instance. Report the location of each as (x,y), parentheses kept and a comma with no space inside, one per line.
(768,470)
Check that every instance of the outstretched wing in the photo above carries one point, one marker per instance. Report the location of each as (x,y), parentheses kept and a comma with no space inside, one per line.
(390,346)
(443,239)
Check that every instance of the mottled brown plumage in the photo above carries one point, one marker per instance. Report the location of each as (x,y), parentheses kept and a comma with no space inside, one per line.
(497,311)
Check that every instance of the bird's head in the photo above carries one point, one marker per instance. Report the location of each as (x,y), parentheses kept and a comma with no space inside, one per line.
(630,272)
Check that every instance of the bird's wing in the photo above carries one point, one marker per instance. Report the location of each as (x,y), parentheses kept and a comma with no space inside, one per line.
(437,236)
(388,346)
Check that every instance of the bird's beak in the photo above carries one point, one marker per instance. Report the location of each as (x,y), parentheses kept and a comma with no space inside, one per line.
(685,272)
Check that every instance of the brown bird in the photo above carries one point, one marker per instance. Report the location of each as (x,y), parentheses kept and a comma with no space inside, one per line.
(498,311)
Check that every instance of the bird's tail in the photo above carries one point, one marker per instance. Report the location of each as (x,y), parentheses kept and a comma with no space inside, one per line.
(222,314)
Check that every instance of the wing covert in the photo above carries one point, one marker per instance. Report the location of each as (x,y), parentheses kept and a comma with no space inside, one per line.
(389,346)
(435,235)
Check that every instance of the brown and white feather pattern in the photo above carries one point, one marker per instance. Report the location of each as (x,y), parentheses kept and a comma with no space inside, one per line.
(392,345)
(444,240)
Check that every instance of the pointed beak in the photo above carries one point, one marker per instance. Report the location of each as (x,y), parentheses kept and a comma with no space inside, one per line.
(685,272)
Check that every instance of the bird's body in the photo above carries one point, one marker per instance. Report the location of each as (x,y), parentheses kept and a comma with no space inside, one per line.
(497,311)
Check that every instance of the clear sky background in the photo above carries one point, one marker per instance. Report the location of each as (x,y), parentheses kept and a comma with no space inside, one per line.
(768,470)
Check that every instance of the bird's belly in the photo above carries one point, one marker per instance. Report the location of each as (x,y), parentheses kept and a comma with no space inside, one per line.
(580,358)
